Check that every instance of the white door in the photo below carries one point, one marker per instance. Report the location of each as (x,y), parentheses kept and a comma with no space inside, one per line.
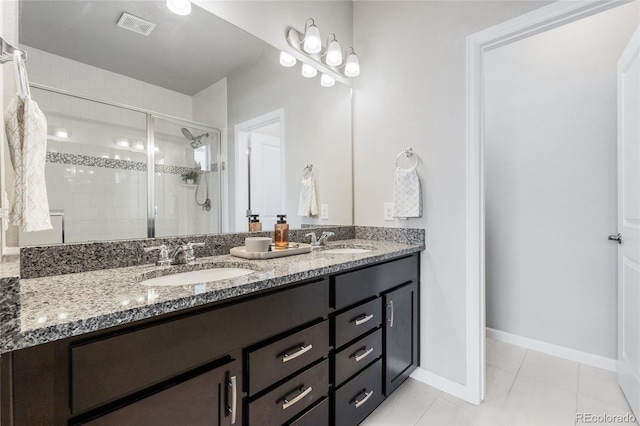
(629,222)
(266,174)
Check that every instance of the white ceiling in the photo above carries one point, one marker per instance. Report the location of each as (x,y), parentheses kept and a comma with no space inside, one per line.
(183,53)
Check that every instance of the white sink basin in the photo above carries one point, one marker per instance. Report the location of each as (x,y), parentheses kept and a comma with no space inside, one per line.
(197,277)
(346,251)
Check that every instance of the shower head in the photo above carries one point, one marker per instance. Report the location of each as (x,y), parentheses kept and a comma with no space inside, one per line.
(195,140)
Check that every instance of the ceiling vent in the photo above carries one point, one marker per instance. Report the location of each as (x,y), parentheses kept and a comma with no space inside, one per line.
(135,24)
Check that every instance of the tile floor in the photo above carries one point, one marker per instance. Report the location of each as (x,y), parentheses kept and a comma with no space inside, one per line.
(524,387)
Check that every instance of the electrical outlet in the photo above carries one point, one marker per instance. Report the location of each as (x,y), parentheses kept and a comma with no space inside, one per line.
(324,211)
(388,211)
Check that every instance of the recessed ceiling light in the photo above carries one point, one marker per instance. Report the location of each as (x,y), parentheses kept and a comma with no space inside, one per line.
(179,7)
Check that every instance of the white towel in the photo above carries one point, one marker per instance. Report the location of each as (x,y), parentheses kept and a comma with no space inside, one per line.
(308,204)
(407,193)
(26,129)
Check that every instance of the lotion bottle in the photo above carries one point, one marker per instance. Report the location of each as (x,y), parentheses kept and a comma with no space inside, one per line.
(254,223)
(282,232)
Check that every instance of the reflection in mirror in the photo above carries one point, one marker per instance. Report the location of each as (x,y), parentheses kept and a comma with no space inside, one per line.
(179,131)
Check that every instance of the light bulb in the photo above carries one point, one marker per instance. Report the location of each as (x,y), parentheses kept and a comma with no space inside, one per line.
(123,142)
(327,80)
(334,54)
(352,67)
(312,41)
(62,132)
(286,60)
(179,7)
(309,71)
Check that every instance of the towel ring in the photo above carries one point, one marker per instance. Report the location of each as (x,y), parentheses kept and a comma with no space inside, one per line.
(409,154)
(307,172)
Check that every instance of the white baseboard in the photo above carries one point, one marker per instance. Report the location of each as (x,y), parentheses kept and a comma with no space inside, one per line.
(555,350)
(441,383)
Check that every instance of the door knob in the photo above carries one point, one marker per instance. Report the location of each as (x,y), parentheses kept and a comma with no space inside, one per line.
(617,238)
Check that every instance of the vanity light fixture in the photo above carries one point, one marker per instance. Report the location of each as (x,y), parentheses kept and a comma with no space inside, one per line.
(352,66)
(326,80)
(286,60)
(312,41)
(138,145)
(308,71)
(334,67)
(179,7)
(334,52)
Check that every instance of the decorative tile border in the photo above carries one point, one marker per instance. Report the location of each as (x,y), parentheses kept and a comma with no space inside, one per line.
(89,161)
(111,163)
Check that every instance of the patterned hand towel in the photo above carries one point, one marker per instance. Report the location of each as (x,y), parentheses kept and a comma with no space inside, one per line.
(407,193)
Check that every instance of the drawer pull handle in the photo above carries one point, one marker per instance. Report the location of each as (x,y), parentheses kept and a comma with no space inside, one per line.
(363,400)
(363,355)
(361,320)
(303,393)
(301,350)
(390,305)
(234,399)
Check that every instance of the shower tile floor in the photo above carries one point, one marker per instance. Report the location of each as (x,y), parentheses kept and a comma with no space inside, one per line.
(524,387)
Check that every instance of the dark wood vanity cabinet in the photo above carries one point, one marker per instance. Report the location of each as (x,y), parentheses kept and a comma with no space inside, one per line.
(323,352)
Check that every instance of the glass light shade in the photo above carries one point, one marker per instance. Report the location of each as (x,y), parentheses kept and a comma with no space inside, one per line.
(334,54)
(62,132)
(138,145)
(352,67)
(179,7)
(286,60)
(309,71)
(327,81)
(312,40)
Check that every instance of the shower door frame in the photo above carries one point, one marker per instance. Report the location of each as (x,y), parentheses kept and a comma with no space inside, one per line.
(150,117)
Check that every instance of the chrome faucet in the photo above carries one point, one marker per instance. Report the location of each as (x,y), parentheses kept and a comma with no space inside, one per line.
(182,255)
(163,255)
(316,242)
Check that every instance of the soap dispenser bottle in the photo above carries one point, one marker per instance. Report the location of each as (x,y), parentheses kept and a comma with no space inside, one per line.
(254,223)
(282,232)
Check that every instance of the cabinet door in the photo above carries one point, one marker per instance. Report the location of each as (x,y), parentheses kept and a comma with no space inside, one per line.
(401,335)
(206,399)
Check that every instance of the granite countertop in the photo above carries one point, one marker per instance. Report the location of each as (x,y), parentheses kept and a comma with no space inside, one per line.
(46,309)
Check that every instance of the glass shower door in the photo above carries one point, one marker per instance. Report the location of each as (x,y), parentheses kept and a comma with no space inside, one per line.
(186,178)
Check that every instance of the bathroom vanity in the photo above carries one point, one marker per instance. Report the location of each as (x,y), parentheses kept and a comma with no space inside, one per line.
(323,343)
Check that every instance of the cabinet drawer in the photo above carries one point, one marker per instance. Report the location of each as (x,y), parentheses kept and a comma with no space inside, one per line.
(291,398)
(110,368)
(276,361)
(356,286)
(360,396)
(200,400)
(355,322)
(317,416)
(355,357)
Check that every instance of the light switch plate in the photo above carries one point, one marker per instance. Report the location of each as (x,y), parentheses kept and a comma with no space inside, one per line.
(324,211)
(388,211)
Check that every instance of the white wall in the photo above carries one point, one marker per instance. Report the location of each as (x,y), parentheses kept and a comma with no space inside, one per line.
(411,93)
(551,183)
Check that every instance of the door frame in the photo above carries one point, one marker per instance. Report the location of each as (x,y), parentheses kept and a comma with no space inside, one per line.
(543,19)
(241,143)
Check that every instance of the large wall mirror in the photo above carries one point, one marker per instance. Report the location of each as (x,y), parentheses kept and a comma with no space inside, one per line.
(166,125)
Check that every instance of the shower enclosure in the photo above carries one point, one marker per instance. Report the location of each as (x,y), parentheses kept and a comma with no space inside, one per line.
(119,172)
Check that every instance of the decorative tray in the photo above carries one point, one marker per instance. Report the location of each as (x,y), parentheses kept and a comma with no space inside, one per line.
(296,248)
